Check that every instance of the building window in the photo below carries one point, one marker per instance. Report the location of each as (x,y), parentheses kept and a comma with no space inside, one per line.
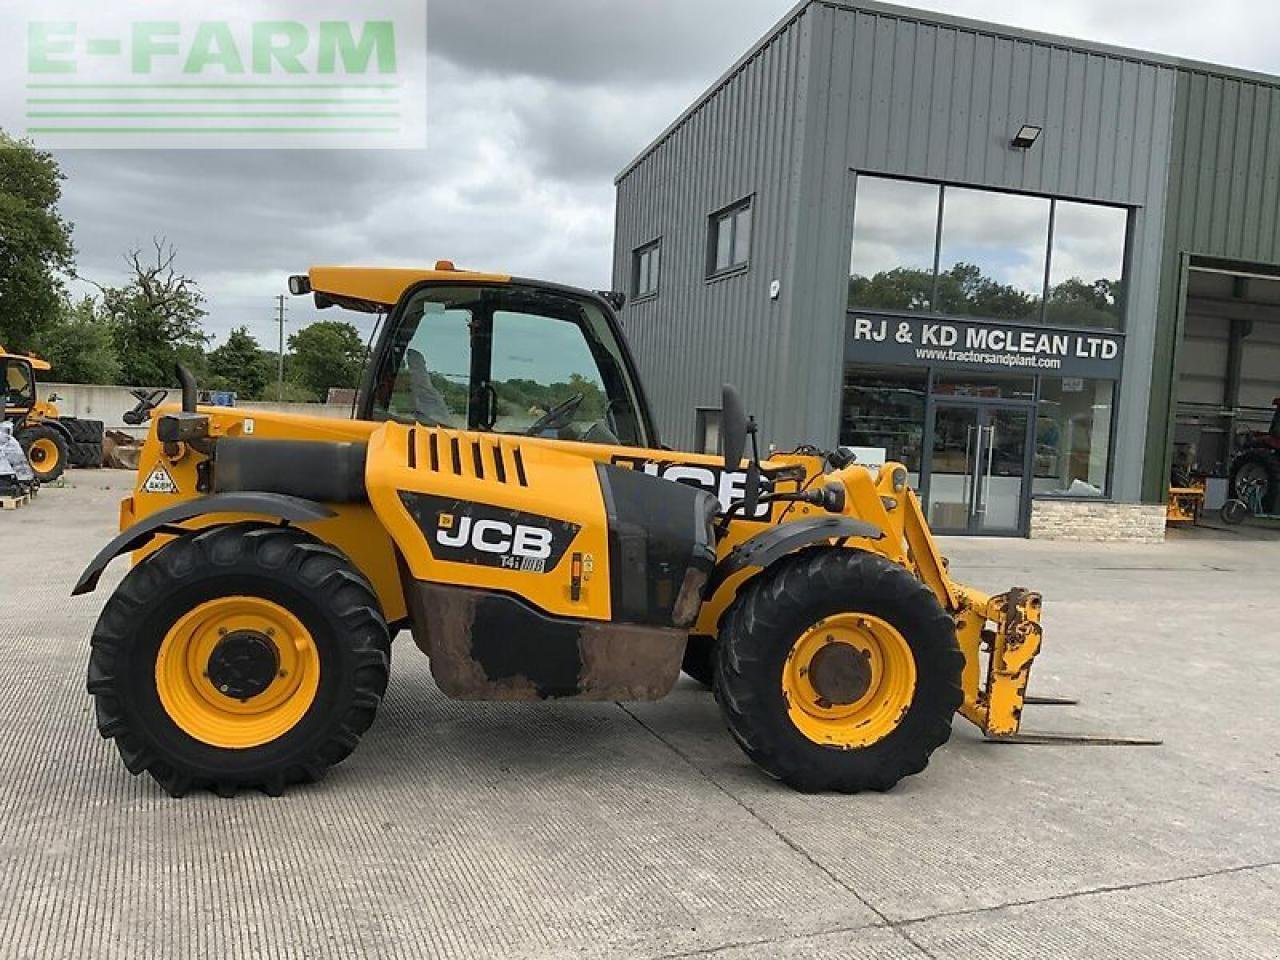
(1073,437)
(928,248)
(884,408)
(1086,273)
(644,274)
(708,427)
(729,246)
(993,254)
(895,238)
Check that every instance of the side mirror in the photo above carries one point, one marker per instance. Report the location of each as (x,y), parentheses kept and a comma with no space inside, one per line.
(733,426)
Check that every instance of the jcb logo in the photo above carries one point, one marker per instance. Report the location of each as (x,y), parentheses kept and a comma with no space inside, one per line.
(495,536)
(461,531)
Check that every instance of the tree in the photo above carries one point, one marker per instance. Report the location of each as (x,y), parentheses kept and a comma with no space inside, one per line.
(155,318)
(239,365)
(326,354)
(35,242)
(79,345)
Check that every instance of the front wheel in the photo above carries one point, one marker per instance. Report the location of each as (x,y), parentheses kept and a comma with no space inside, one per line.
(838,670)
(46,451)
(1234,512)
(239,656)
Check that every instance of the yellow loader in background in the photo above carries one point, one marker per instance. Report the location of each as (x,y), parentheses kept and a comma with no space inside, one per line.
(504,496)
(44,438)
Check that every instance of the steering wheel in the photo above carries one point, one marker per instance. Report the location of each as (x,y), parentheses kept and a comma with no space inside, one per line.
(557,416)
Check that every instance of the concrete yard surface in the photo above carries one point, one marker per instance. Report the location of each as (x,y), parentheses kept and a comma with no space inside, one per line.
(475,830)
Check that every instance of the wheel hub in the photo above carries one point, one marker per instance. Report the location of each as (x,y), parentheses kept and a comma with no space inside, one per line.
(840,673)
(243,664)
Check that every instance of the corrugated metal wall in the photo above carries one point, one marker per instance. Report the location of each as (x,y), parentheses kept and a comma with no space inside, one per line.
(1224,202)
(697,333)
(902,95)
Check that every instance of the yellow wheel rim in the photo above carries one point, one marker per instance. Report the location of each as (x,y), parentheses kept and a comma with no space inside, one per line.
(849,680)
(43,454)
(201,667)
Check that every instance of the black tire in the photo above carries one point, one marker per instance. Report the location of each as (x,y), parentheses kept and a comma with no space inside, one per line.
(85,453)
(699,659)
(314,582)
(1234,512)
(47,468)
(83,431)
(765,620)
(1257,463)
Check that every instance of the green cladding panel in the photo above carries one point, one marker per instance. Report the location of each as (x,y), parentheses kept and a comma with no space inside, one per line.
(1223,202)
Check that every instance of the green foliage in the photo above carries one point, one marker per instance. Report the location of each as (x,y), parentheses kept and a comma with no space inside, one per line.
(326,354)
(1074,303)
(518,397)
(965,291)
(35,242)
(79,344)
(156,319)
(239,365)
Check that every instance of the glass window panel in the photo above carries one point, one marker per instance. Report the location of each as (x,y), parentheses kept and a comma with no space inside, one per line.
(538,363)
(646,271)
(992,387)
(994,247)
(895,231)
(884,408)
(1086,273)
(724,242)
(742,236)
(431,384)
(1073,437)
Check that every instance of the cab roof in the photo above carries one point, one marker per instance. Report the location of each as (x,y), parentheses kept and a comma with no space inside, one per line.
(383,286)
(36,362)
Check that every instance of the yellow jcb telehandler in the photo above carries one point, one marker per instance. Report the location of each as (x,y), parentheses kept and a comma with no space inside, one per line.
(504,496)
(50,441)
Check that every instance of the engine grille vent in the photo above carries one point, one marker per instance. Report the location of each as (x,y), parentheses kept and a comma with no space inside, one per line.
(462,455)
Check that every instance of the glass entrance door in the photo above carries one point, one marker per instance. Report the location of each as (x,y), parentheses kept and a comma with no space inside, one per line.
(978,468)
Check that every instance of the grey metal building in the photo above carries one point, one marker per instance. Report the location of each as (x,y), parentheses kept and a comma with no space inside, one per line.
(1033,269)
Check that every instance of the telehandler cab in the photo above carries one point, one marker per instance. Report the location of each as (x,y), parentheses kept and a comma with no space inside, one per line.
(503,494)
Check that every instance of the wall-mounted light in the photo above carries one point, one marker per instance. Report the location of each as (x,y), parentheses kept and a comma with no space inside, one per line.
(1026,137)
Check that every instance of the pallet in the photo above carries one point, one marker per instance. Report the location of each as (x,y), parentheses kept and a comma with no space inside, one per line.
(13,503)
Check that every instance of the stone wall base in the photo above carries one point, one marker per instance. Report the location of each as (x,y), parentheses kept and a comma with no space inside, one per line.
(1085,520)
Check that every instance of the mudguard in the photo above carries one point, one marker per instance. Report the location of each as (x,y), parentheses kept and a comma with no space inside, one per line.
(57,426)
(776,542)
(281,506)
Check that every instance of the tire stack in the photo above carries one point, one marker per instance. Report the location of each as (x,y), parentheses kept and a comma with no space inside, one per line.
(85,448)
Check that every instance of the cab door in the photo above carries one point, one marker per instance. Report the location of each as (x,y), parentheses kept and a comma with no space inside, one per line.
(20,388)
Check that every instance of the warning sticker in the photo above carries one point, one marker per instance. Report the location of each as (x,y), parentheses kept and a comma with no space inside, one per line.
(159,481)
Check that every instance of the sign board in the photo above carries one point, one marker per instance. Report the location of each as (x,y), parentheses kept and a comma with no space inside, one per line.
(987,346)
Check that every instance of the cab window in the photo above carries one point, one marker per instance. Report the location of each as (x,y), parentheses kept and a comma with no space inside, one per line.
(431,380)
(510,359)
(541,365)
(20,388)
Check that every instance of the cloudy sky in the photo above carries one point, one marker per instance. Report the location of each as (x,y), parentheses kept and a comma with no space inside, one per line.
(534,107)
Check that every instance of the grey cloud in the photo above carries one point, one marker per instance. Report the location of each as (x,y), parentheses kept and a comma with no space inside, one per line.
(600,41)
(532,110)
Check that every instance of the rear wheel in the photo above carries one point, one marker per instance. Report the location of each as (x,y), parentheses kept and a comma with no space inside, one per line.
(1257,469)
(1234,512)
(240,656)
(46,451)
(838,670)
